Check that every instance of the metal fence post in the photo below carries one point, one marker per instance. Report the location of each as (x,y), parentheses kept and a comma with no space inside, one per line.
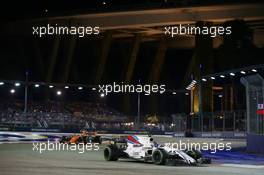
(224,121)
(234,122)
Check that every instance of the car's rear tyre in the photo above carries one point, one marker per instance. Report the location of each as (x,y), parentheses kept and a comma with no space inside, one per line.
(159,157)
(111,153)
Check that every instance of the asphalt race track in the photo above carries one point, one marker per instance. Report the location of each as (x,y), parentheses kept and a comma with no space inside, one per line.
(21,159)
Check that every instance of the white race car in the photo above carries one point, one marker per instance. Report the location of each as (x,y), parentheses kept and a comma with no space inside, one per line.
(144,148)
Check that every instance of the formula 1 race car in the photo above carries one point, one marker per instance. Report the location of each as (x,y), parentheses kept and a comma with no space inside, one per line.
(83,137)
(144,148)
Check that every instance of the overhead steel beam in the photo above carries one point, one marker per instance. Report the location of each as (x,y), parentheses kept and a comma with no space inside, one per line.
(68,59)
(133,58)
(159,17)
(150,18)
(155,72)
(154,75)
(130,70)
(39,57)
(106,45)
(53,58)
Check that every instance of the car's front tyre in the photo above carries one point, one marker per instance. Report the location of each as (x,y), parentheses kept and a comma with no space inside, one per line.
(111,153)
(159,157)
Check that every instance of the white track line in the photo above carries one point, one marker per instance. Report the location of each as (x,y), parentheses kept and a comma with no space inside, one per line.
(243,166)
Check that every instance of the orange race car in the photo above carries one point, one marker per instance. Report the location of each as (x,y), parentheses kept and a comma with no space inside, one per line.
(83,137)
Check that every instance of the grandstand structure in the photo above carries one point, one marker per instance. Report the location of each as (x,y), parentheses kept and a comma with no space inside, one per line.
(55,115)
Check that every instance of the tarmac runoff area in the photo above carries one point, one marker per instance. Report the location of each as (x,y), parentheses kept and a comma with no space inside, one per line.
(20,159)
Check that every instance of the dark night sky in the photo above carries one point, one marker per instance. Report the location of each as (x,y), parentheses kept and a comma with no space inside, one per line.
(15,9)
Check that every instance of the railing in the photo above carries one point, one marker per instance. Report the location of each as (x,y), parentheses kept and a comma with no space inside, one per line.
(224,121)
(220,121)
